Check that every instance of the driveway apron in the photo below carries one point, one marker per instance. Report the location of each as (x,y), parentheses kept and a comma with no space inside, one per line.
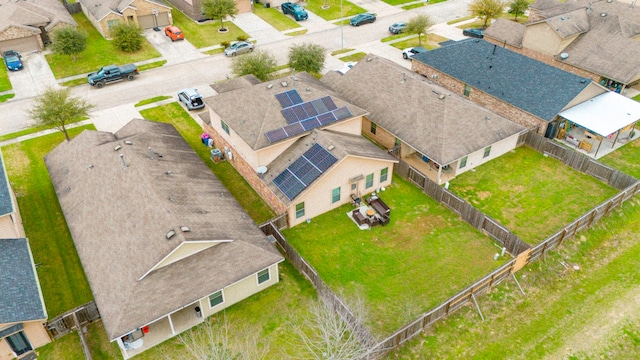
(258,29)
(34,78)
(174,52)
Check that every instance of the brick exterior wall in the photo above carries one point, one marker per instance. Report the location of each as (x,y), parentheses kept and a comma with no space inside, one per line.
(15,33)
(192,9)
(481,98)
(381,137)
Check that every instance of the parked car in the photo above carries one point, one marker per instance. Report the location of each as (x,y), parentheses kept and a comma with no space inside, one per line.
(112,73)
(239,47)
(347,66)
(174,33)
(13,60)
(397,28)
(364,18)
(474,32)
(298,12)
(191,98)
(409,52)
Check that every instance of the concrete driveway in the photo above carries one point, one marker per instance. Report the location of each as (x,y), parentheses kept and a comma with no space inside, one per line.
(174,52)
(34,78)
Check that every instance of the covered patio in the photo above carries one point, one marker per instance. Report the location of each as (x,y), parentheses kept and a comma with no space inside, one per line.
(601,125)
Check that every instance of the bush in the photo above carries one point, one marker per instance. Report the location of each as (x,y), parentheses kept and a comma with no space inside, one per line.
(127,37)
(225,44)
(242,38)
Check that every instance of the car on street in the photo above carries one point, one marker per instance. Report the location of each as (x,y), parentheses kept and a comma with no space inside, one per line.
(174,33)
(409,52)
(364,18)
(239,47)
(191,98)
(397,28)
(13,60)
(474,32)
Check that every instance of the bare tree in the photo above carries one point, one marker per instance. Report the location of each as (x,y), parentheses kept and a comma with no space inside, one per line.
(57,108)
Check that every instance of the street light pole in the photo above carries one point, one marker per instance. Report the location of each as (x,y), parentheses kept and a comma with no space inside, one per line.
(341,28)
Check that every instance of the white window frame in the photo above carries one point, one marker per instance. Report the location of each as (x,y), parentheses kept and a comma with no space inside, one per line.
(218,304)
(268,270)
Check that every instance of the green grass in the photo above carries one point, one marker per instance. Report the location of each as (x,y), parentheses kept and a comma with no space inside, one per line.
(626,158)
(429,42)
(152,100)
(394,37)
(191,131)
(397,2)
(354,57)
(98,343)
(76,82)
(460,19)
(413,6)
(636,98)
(205,34)
(297,33)
(342,51)
(425,255)
(67,347)
(6,97)
(93,57)
(275,17)
(333,12)
(153,65)
(5,84)
(219,50)
(474,24)
(532,195)
(64,285)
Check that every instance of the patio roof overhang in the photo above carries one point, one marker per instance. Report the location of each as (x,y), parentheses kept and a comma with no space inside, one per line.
(604,114)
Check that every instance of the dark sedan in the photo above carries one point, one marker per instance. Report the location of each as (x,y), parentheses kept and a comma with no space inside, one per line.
(360,19)
(397,28)
(476,33)
(12,59)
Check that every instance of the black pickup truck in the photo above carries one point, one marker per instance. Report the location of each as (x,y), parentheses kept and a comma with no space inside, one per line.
(112,73)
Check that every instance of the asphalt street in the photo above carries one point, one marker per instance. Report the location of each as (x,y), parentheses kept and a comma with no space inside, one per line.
(187,67)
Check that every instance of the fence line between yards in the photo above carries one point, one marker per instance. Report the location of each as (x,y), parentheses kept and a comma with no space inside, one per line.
(72,8)
(63,324)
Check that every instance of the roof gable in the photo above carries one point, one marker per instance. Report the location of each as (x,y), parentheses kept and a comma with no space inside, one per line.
(27,15)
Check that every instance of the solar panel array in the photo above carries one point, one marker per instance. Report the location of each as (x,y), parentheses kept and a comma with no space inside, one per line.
(289,98)
(305,170)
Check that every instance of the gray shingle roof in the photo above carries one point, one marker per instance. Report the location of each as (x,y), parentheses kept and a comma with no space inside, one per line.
(531,85)
(30,15)
(119,218)
(6,202)
(20,298)
(426,116)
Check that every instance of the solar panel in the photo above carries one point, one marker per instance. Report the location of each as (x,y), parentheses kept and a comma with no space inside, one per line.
(276,135)
(294,96)
(320,157)
(313,151)
(300,113)
(289,184)
(320,107)
(308,174)
(342,113)
(326,118)
(284,100)
(289,115)
(328,102)
(309,109)
(293,129)
(310,124)
(297,165)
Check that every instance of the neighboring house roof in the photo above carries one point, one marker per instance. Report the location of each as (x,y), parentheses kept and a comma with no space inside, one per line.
(441,125)
(6,201)
(507,31)
(339,145)
(528,84)
(31,15)
(120,219)
(101,8)
(570,24)
(253,111)
(242,82)
(21,298)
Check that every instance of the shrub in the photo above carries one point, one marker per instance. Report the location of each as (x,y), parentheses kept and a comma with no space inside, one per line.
(242,38)
(127,37)
(225,44)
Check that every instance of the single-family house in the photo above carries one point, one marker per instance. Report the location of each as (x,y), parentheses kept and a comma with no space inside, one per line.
(297,143)
(162,242)
(23,315)
(522,89)
(438,132)
(104,14)
(193,8)
(25,25)
(595,39)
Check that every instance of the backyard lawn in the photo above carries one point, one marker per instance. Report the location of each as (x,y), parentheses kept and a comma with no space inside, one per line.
(425,255)
(532,195)
(64,285)
(93,57)
(625,159)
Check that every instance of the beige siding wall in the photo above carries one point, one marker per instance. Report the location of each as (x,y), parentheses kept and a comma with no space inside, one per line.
(185,250)
(317,198)
(497,149)
(8,229)
(589,92)
(351,126)
(540,37)
(137,8)
(35,332)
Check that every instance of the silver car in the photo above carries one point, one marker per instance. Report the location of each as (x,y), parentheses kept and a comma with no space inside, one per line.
(239,47)
(191,98)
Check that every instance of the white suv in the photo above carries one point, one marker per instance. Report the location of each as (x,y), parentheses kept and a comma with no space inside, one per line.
(191,98)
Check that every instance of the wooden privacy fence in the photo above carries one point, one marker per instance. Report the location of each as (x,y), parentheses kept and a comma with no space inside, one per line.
(66,322)
(72,8)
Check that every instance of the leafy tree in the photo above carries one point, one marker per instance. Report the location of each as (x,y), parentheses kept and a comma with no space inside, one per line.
(55,107)
(69,41)
(259,63)
(518,7)
(127,37)
(219,10)
(419,25)
(486,9)
(306,57)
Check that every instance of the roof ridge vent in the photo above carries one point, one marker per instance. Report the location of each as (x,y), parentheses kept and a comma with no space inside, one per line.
(170,234)
(127,142)
(185,229)
(118,147)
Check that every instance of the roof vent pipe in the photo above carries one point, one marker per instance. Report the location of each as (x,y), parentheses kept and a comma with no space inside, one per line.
(150,153)
(124,163)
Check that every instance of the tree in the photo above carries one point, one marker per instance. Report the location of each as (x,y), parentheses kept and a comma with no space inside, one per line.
(259,63)
(419,25)
(486,10)
(307,57)
(219,10)
(518,7)
(68,40)
(127,37)
(55,107)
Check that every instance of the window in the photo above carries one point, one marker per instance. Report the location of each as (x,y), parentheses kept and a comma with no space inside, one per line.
(112,23)
(216,298)
(487,151)
(354,186)
(467,90)
(263,276)
(463,162)
(335,195)
(373,128)
(19,343)
(369,182)
(225,127)
(299,210)
(384,173)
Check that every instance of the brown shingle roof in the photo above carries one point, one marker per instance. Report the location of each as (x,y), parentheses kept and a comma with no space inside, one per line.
(31,15)
(242,82)
(506,30)
(119,218)
(441,125)
(101,8)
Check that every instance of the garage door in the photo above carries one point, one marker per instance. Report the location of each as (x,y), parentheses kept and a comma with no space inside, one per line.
(25,44)
(147,21)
